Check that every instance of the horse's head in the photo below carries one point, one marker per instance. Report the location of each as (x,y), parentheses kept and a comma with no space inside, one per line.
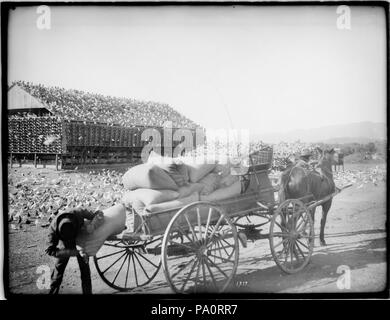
(331,156)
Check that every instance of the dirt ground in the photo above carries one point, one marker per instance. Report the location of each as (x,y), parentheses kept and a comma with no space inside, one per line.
(355,233)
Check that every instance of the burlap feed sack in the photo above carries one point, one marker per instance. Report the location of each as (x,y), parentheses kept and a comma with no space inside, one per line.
(176,169)
(149,196)
(210,183)
(114,223)
(148,176)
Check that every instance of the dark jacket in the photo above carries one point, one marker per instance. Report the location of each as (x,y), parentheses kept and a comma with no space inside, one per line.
(54,242)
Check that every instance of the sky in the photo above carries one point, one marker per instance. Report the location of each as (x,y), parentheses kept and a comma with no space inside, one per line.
(266,69)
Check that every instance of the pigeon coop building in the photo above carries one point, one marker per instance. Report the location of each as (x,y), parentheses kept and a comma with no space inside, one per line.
(38,136)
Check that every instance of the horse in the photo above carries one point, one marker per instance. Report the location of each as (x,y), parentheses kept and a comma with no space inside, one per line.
(297,182)
(339,161)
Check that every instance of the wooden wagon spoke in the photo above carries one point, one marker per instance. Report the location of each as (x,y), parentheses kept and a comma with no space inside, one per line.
(128,267)
(119,270)
(304,221)
(225,247)
(295,254)
(211,274)
(219,269)
(297,216)
(282,252)
(135,270)
(281,242)
(222,247)
(208,221)
(191,228)
(216,226)
(300,250)
(287,253)
(189,274)
(291,253)
(199,224)
(299,244)
(196,276)
(280,226)
(108,268)
(143,257)
(219,247)
(142,267)
(230,236)
(204,274)
(303,244)
(110,254)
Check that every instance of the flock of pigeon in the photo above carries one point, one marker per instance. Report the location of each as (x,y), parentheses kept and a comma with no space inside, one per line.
(36,199)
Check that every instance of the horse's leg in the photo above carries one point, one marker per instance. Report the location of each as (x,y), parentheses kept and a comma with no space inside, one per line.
(325,209)
(312,214)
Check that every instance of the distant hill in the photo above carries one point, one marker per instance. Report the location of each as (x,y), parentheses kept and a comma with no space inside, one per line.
(361,132)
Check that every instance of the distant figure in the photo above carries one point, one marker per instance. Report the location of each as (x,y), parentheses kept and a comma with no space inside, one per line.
(304,159)
(338,161)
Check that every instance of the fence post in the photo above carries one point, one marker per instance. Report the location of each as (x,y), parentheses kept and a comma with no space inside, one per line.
(56,162)
(11,159)
(35,160)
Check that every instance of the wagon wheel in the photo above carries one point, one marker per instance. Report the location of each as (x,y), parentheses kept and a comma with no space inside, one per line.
(125,265)
(291,236)
(207,258)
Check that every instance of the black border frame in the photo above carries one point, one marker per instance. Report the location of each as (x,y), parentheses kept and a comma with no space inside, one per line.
(150,300)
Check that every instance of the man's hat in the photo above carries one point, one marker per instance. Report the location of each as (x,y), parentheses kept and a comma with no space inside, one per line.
(67,229)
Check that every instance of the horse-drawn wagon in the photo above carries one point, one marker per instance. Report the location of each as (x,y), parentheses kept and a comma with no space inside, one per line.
(198,244)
